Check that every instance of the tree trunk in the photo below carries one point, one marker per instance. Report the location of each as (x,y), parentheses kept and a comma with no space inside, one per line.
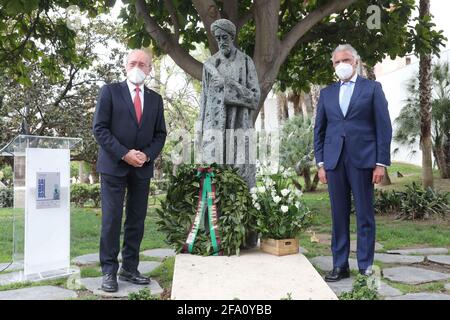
(94,174)
(296,100)
(425,107)
(263,118)
(282,107)
(439,155)
(315,94)
(82,174)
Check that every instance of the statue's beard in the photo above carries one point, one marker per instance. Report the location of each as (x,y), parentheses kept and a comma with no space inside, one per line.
(226,50)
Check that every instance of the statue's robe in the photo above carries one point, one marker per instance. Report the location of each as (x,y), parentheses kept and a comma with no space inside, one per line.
(227,108)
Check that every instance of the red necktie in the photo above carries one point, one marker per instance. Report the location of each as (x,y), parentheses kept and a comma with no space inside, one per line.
(138,105)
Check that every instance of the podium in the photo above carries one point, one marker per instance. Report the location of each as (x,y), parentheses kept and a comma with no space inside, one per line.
(41,214)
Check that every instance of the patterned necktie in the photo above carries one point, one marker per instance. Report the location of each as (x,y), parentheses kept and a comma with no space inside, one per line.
(346,95)
(138,105)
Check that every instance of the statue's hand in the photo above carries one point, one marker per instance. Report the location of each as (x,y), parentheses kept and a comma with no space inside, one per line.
(218,81)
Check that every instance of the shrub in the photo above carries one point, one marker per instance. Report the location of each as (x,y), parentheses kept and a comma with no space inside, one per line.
(413,203)
(143,294)
(361,290)
(82,193)
(6,198)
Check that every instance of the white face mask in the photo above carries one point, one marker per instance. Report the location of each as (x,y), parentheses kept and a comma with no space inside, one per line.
(136,75)
(344,70)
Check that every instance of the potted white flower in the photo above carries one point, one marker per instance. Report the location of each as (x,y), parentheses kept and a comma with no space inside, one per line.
(282,213)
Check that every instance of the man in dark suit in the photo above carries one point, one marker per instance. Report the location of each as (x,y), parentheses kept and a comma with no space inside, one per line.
(352,137)
(130,128)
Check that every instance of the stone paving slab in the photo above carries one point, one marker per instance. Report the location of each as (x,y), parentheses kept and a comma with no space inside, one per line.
(440,259)
(302,250)
(378,246)
(89,259)
(398,258)
(411,275)
(159,253)
(145,266)
(447,286)
(421,296)
(423,251)
(325,263)
(38,293)
(125,288)
(254,275)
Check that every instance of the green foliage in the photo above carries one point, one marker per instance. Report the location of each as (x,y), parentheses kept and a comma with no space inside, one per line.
(413,203)
(297,150)
(362,290)
(233,203)
(6,197)
(408,125)
(82,193)
(6,175)
(143,294)
(282,213)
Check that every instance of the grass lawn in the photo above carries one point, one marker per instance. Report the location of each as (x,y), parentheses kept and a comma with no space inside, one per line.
(392,234)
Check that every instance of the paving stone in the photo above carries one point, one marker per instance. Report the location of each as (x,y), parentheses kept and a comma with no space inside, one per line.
(325,263)
(398,258)
(125,288)
(159,253)
(38,293)
(424,251)
(378,246)
(89,259)
(339,287)
(447,286)
(386,290)
(440,259)
(412,275)
(421,296)
(145,266)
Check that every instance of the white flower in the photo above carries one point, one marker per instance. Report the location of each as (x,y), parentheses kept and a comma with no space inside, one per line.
(298,192)
(253,190)
(285,174)
(285,192)
(284,209)
(276,199)
(254,196)
(261,189)
(297,205)
(257,206)
(281,169)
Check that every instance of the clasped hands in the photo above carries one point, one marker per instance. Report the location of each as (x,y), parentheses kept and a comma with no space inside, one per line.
(135,158)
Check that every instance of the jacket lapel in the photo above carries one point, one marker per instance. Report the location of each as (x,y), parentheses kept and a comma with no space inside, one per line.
(356,92)
(127,99)
(335,93)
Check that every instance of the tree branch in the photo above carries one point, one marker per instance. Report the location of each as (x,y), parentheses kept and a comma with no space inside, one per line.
(208,12)
(307,23)
(167,43)
(173,16)
(245,18)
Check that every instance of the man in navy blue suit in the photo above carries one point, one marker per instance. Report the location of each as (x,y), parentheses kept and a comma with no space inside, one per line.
(130,129)
(352,137)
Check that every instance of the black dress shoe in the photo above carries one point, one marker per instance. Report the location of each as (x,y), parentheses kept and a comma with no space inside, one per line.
(133,277)
(367,272)
(337,274)
(109,282)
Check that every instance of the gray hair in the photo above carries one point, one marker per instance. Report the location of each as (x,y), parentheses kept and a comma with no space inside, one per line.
(148,54)
(345,47)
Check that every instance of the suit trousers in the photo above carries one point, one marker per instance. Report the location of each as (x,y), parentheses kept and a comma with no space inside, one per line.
(113,191)
(346,180)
